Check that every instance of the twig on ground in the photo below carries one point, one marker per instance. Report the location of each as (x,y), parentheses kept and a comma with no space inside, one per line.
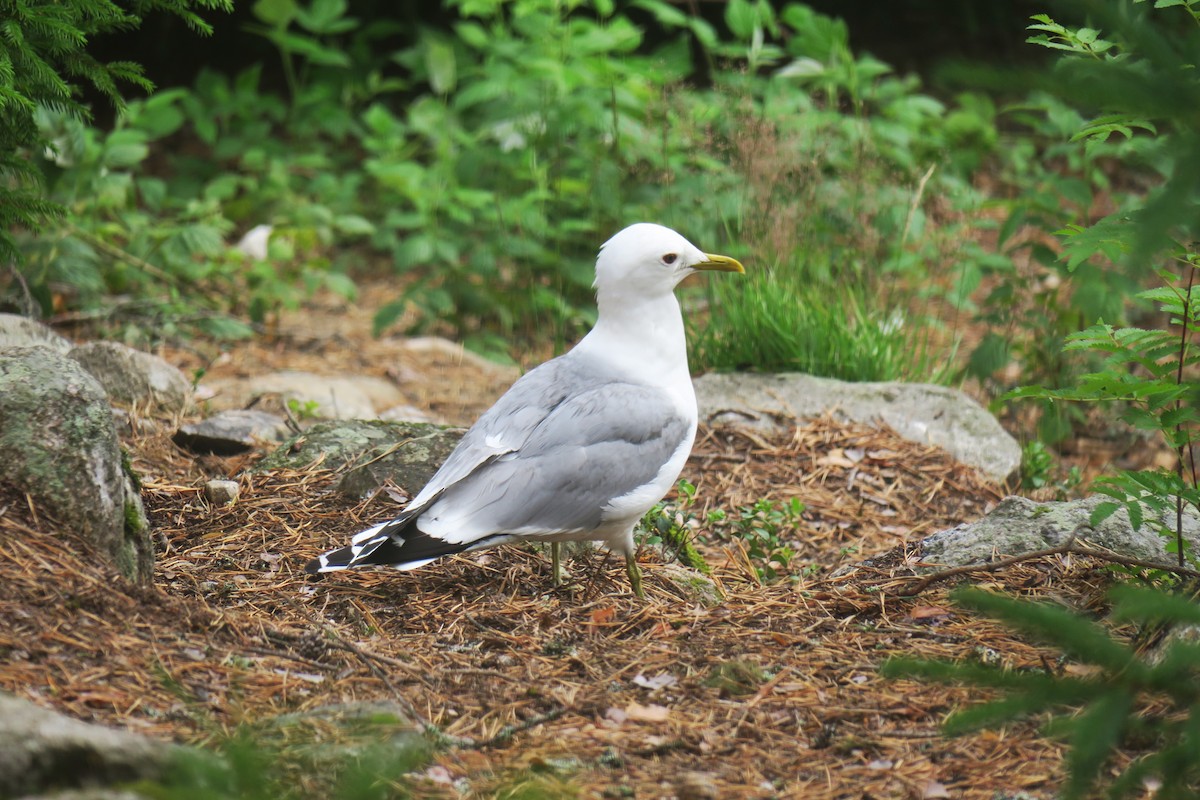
(508,731)
(1070,547)
(762,692)
(266,651)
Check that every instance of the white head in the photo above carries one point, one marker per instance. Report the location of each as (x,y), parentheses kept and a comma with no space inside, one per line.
(648,260)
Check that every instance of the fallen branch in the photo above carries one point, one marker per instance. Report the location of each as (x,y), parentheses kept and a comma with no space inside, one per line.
(508,731)
(762,692)
(1069,547)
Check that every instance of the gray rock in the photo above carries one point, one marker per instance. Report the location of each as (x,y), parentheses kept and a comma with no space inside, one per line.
(447,349)
(231,432)
(58,444)
(220,493)
(323,396)
(43,750)
(369,453)
(919,412)
(409,413)
(695,586)
(1018,525)
(133,378)
(17,331)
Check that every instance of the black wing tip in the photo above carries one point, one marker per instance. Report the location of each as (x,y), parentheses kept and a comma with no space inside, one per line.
(386,550)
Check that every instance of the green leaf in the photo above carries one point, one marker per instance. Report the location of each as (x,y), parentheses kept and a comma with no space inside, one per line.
(441,65)
(664,13)
(341,284)
(741,17)
(325,17)
(354,225)
(314,51)
(125,148)
(1135,514)
(225,328)
(387,316)
(473,34)
(277,13)
(1108,238)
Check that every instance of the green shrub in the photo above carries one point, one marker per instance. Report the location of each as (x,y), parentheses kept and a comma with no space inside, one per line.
(1134,80)
(1101,707)
(1136,76)
(543,130)
(1119,94)
(509,146)
(528,133)
(42,62)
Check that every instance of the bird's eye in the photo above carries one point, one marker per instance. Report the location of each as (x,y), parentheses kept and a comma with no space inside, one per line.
(670,258)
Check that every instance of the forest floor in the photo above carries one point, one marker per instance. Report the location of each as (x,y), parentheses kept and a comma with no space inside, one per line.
(580,691)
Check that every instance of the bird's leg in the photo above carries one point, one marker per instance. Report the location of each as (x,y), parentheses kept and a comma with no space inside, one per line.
(635,575)
(555,563)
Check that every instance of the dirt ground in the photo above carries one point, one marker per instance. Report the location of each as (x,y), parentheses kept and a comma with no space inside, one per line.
(593,691)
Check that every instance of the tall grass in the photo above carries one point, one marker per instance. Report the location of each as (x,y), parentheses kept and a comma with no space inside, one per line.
(779,320)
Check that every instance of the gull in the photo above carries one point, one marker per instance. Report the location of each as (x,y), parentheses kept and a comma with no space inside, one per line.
(580,447)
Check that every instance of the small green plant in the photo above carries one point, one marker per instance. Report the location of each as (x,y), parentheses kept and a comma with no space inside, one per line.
(1037,464)
(1040,469)
(1100,708)
(674,525)
(302,410)
(765,529)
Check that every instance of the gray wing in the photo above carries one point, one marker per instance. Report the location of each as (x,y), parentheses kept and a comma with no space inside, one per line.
(601,441)
(507,425)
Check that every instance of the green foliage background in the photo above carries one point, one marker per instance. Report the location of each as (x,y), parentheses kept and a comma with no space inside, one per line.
(483,162)
(43,59)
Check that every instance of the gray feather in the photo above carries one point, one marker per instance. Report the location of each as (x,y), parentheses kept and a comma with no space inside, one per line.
(575,461)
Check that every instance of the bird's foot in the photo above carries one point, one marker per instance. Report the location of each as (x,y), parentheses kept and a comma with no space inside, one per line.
(556,564)
(635,576)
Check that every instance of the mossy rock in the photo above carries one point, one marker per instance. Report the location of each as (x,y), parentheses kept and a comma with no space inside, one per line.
(58,444)
(694,585)
(133,378)
(368,453)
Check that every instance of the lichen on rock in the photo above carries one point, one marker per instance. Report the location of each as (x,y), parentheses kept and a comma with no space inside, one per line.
(368,453)
(59,446)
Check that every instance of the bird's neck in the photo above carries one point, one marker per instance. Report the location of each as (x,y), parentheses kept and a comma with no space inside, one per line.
(649,328)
